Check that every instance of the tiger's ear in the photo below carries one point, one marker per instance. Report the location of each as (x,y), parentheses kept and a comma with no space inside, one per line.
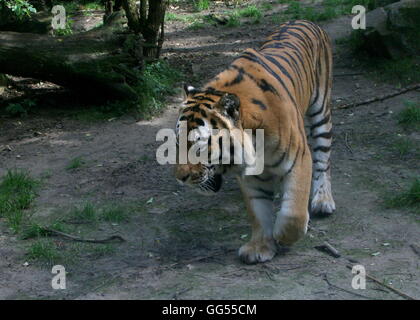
(229,103)
(187,90)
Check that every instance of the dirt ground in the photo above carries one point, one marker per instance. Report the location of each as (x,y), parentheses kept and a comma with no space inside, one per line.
(180,245)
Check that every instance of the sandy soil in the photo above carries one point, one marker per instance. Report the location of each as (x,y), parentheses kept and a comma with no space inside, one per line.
(183,246)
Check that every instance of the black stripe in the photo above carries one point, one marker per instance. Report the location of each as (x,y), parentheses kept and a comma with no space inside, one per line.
(238,79)
(203,98)
(259,103)
(325,135)
(278,162)
(323,170)
(213,91)
(263,179)
(252,57)
(262,198)
(294,161)
(262,84)
(322,149)
(322,122)
(281,68)
(320,109)
(267,193)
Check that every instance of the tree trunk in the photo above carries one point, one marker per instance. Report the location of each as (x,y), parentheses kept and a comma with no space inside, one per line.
(149,21)
(99,62)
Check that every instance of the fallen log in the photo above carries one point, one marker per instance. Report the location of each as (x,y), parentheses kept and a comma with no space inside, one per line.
(101,62)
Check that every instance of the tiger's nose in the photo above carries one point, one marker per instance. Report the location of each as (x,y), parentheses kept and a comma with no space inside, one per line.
(184,177)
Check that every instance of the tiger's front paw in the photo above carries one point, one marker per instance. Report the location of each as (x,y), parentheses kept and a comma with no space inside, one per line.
(257,251)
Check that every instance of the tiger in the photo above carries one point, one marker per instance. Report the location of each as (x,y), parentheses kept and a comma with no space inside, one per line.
(271,88)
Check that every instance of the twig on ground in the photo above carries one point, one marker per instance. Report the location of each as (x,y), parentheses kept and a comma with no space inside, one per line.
(347,143)
(325,278)
(416,249)
(197,259)
(176,295)
(74,238)
(402,294)
(379,98)
(328,248)
(348,74)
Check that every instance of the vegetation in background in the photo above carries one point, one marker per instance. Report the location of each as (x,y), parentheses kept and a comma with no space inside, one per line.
(408,198)
(402,72)
(17,192)
(410,116)
(155,84)
(67,30)
(158,81)
(20,109)
(20,8)
(201,4)
(251,12)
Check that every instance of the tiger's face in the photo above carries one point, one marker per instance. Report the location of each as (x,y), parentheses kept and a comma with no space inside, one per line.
(203,114)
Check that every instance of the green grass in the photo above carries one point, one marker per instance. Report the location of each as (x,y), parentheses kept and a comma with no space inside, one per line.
(410,116)
(297,11)
(330,9)
(401,72)
(92,5)
(408,198)
(20,109)
(402,146)
(233,20)
(86,213)
(186,18)
(266,6)
(197,25)
(44,250)
(158,81)
(115,213)
(75,163)
(101,250)
(251,11)
(17,192)
(201,5)
(35,230)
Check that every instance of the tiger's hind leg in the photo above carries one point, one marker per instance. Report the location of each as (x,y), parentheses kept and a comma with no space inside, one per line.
(258,195)
(319,116)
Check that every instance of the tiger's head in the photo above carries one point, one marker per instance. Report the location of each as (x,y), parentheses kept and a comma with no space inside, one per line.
(202,118)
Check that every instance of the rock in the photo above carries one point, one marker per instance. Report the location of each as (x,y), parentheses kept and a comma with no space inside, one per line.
(393,31)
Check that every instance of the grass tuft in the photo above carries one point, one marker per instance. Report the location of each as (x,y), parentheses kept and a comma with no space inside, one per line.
(17,191)
(75,163)
(157,82)
(402,146)
(86,213)
(408,198)
(410,116)
(115,213)
(251,12)
(201,5)
(44,250)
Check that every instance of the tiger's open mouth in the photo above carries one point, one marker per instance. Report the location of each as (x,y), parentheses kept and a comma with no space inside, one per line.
(212,184)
